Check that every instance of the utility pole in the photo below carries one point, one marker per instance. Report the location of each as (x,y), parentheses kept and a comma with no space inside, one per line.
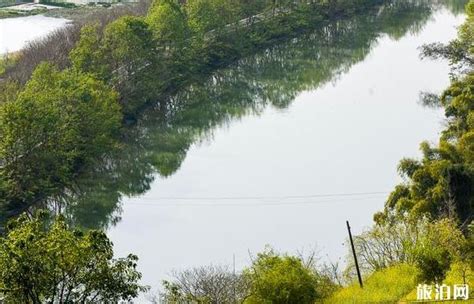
(235,278)
(355,255)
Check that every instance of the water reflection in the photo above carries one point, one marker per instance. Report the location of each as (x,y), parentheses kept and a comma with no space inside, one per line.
(159,142)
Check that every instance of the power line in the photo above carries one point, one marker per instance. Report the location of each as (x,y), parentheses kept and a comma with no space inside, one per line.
(257,204)
(222,198)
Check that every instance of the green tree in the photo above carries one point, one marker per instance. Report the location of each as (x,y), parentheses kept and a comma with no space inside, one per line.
(10,90)
(440,184)
(167,22)
(123,56)
(60,121)
(441,244)
(460,51)
(50,263)
(128,44)
(207,15)
(130,55)
(249,8)
(88,56)
(280,279)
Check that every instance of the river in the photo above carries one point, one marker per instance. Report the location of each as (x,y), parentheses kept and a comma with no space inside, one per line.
(278,149)
(16,32)
(303,130)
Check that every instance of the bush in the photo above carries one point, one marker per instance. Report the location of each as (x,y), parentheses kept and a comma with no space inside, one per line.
(279,279)
(434,251)
(383,286)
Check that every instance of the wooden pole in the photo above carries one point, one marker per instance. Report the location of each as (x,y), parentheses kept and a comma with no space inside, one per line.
(355,255)
(234,279)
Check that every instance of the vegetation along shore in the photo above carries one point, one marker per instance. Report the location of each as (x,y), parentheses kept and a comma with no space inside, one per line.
(69,101)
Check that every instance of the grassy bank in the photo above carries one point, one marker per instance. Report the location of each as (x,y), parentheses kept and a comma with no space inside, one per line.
(396,284)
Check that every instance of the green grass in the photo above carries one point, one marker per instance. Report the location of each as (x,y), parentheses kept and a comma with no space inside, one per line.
(384,286)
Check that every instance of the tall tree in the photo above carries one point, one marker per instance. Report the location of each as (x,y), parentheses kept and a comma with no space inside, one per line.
(61,120)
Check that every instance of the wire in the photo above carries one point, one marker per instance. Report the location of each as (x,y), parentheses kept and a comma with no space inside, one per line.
(257,204)
(264,197)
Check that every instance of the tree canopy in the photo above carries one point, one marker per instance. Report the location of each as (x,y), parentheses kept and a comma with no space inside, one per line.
(47,262)
(58,122)
(441,183)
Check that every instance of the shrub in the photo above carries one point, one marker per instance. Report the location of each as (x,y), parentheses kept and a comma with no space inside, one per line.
(280,279)
(383,286)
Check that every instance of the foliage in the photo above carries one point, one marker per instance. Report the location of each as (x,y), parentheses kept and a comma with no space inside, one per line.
(470,245)
(280,279)
(386,245)
(387,285)
(459,52)
(438,189)
(119,56)
(441,244)
(430,245)
(51,263)
(86,55)
(158,143)
(440,184)
(7,61)
(459,273)
(272,278)
(142,59)
(202,14)
(61,120)
(167,21)
(10,90)
(128,43)
(128,53)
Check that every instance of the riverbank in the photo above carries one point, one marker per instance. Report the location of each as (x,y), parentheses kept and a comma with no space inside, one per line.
(289,151)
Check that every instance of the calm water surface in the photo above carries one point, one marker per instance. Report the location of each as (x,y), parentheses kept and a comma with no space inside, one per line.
(16,32)
(281,148)
(349,118)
